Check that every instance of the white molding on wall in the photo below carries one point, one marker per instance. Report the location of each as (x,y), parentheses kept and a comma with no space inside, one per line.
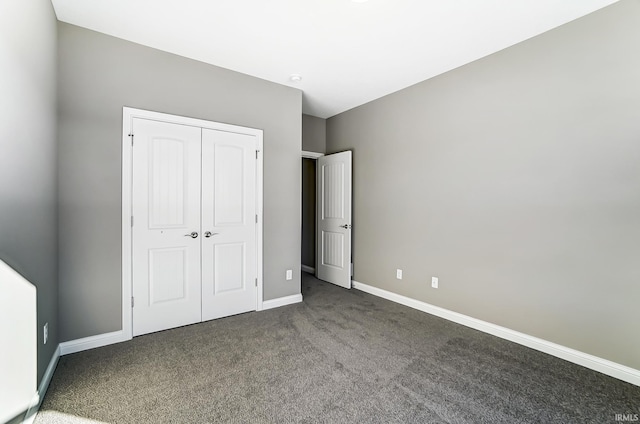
(42,388)
(307,268)
(100,340)
(91,342)
(260,223)
(281,301)
(127,232)
(613,369)
(311,155)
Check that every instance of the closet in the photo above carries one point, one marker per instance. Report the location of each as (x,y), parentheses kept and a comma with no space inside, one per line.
(194,231)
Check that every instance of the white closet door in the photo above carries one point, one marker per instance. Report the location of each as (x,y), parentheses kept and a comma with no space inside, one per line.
(229,250)
(166,213)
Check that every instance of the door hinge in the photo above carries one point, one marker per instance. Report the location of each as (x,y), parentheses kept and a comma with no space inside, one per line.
(132,302)
(256,282)
(131,135)
(132,220)
(256,218)
(257,151)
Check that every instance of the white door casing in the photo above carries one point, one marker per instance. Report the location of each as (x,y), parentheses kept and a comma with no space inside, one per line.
(166,207)
(333,252)
(252,195)
(229,274)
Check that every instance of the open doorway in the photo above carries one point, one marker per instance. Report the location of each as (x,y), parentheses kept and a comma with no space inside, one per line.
(326,216)
(308,248)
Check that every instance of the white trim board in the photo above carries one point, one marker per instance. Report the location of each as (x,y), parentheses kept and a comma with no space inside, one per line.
(92,342)
(613,369)
(281,301)
(30,416)
(311,155)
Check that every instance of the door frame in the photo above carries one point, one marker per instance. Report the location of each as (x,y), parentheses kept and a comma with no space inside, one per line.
(311,155)
(305,154)
(128,114)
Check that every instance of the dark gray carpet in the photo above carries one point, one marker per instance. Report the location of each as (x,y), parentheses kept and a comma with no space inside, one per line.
(339,357)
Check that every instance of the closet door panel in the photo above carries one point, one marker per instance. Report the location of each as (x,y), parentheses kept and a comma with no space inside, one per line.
(228,223)
(166,211)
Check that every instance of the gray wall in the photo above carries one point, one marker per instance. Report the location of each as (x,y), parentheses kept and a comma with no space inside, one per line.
(308,256)
(98,75)
(314,134)
(28,235)
(515,180)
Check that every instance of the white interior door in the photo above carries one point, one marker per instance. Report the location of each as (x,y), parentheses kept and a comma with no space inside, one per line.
(333,253)
(166,226)
(229,223)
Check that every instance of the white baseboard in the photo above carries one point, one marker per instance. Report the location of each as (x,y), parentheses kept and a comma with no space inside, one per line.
(307,268)
(86,343)
(100,340)
(281,301)
(30,416)
(613,369)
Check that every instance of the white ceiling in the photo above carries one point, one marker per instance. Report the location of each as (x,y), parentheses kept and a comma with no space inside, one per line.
(348,53)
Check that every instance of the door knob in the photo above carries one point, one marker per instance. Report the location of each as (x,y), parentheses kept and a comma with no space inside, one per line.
(192,235)
(209,234)
(345,226)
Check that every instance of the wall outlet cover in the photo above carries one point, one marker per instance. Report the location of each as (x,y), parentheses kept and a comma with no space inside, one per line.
(399,274)
(434,282)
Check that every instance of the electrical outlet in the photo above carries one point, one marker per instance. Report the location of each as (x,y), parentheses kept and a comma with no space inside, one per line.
(434,282)
(289,274)
(45,332)
(399,274)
